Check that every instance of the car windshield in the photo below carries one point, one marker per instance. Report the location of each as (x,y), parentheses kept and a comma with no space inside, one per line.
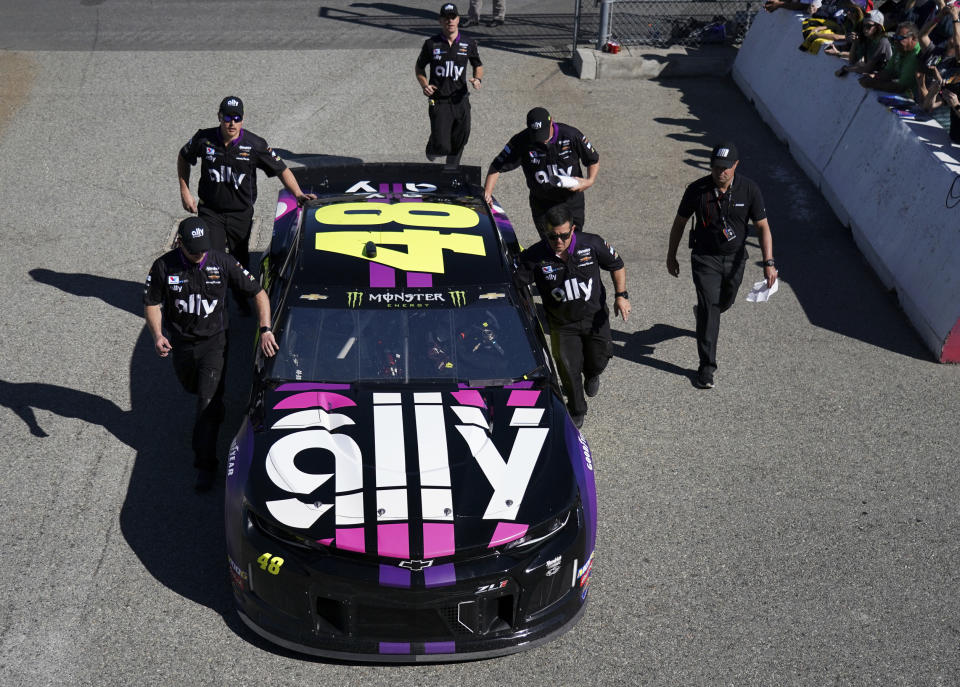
(478,342)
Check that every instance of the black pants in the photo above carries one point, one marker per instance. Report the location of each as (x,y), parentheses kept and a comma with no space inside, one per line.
(449,126)
(717,279)
(540,207)
(229,232)
(581,349)
(199,366)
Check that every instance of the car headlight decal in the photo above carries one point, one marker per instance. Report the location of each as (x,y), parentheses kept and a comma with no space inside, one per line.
(541,533)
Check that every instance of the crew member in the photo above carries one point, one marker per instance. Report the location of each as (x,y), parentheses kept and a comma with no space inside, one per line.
(550,154)
(445,56)
(723,202)
(228,178)
(566,268)
(185,293)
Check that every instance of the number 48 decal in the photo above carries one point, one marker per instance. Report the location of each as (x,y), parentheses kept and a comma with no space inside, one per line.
(270,563)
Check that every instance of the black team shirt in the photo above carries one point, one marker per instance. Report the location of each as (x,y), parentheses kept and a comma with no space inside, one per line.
(570,286)
(448,64)
(192,295)
(720,216)
(561,155)
(228,172)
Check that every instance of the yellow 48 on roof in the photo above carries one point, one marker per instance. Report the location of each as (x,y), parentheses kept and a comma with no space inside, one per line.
(424,246)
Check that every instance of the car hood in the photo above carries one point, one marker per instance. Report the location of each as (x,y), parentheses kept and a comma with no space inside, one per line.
(410,474)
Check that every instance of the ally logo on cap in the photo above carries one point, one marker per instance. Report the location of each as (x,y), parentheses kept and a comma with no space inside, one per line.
(197,233)
(722,152)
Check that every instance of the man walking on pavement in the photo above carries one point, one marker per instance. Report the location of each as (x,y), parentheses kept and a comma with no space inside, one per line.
(228,179)
(723,202)
(566,269)
(185,292)
(445,57)
(550,154)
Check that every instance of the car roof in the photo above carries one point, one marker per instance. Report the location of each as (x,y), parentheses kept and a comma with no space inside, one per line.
(399,226)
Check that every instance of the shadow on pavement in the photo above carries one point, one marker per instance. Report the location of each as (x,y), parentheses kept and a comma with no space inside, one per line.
(121,294)
(639,347)
(176,533)
(537,35)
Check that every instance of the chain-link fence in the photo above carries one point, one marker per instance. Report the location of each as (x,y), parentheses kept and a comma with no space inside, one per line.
(662,23)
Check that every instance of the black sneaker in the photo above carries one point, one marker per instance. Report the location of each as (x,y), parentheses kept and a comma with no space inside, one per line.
(705,381)
(205,480)
(495,23)
(591,386)
(577,420)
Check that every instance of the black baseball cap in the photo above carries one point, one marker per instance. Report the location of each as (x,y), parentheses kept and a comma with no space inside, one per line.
(231,105)
(538,124)
(448,9)
(724,155)
(194,236)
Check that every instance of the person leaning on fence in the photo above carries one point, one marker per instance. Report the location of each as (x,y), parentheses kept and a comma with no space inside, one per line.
(870,50)
(900,73)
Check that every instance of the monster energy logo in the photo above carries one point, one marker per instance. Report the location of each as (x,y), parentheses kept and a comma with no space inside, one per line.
(354,299)
(459,298)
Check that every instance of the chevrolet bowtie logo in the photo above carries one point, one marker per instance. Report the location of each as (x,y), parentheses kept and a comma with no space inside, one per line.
(416,565)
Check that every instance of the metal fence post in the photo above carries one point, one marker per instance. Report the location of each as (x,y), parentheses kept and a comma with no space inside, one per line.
(576,28)
(604,33)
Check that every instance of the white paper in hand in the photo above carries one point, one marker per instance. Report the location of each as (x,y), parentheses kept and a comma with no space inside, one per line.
(561,181)
(760,293)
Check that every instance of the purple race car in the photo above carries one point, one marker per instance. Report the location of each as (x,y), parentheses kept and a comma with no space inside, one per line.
(407,485)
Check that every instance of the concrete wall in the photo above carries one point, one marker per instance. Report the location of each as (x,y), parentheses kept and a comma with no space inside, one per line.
(886,178)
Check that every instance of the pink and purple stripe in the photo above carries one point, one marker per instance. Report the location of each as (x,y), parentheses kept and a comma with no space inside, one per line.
(314,399)
(525,399)
(350,539)
(382,277)
(440,575)
(392,576)
(506,532)
(394,647)
(419,279)
(469,397)
(393,540)
(438,539)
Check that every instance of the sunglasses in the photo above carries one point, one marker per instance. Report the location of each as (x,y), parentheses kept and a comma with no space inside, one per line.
(232,118)
(558,237)
(900,37)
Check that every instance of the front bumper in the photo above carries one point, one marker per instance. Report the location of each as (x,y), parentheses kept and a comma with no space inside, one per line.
(359,608)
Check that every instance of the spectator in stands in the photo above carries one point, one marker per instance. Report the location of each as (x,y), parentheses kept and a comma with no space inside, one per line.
(870,50)
(900,73)
(939,62)
(953,102)
(840,26)
(920,11)
(818,31)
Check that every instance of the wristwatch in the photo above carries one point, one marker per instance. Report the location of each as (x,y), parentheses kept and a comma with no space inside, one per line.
(622,294)
(264,329)
(769,263)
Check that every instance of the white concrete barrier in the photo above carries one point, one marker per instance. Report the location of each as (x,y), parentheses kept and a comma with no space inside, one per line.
(889,179)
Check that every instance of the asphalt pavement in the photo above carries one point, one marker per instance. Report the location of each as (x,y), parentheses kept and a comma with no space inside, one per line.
(795,525)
